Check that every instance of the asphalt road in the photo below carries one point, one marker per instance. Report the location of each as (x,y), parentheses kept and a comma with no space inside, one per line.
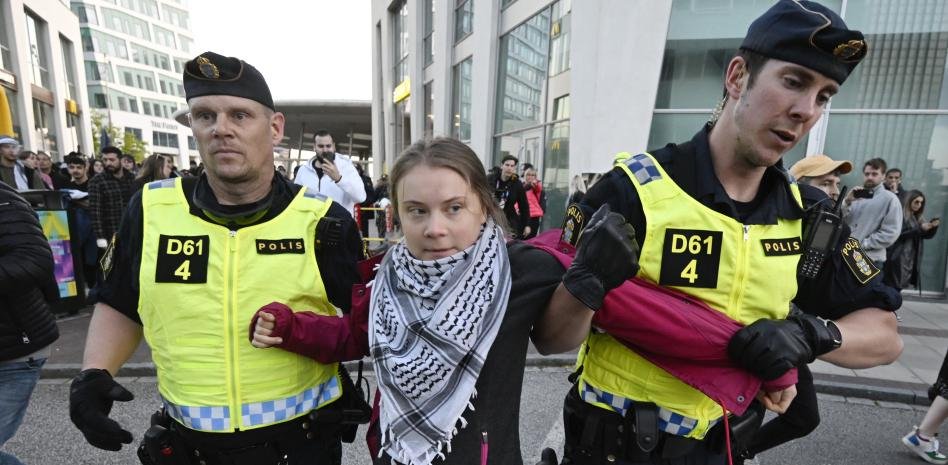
(854,431)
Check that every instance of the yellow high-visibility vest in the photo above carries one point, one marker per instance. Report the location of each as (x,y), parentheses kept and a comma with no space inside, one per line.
(200,284)
(747,272)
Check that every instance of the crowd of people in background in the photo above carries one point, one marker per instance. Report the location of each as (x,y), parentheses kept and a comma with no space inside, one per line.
(886,217)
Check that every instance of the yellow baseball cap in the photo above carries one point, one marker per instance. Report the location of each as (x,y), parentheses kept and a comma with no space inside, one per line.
(819,165)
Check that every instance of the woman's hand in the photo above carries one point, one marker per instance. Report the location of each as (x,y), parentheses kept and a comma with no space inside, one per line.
(778,401)
(263,330)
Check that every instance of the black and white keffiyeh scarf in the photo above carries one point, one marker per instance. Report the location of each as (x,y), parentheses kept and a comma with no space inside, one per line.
(432,324)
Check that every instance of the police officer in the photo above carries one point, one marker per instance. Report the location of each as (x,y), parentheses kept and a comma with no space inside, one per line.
(719,219)
(193,260)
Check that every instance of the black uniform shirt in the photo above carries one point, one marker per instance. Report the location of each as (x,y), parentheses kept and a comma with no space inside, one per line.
(836,292)
(337,264)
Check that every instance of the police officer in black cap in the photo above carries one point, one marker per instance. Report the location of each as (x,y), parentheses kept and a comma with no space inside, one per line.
(193,261)
(719,219)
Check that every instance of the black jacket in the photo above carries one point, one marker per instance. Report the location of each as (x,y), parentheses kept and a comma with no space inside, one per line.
(27,284)
(901,269)
(509,193)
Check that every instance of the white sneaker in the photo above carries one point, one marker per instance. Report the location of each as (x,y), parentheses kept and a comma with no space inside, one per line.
(926,449)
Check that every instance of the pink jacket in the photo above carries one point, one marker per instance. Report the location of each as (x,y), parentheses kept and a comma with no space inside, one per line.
(533,199)
(675,331)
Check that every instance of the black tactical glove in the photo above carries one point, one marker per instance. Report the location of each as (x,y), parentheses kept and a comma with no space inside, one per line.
(768,348)
(607,255)
(90,401)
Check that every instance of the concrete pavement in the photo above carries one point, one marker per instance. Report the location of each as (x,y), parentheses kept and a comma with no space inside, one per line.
(923,326)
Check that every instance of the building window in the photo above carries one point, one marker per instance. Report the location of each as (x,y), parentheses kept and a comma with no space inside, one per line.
(461,100)
(132,77)
(135,132)
(559,37)
(44,128)
(523,70)
(97,41)
(96,71)
(125,23)
(39,60)
(186,43)
(429,111)
(164,36)
(429,31)
(6,61)
(157,108)
(98,100)
(192,144)
(69,64)
(86,13)
(175,16)
(463,19)
(400,43)
(506,3)
(147,56)
(164,139)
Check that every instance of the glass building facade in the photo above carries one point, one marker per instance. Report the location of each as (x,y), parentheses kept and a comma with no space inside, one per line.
(531,124)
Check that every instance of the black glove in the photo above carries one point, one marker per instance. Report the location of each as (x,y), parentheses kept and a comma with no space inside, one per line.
(606,256)
(768,348)
(90,401)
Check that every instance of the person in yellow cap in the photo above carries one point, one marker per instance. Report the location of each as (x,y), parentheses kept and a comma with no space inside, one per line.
(193,260)
(821,172)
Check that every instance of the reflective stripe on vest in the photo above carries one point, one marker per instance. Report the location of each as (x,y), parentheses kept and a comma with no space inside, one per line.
(668,421)
(201,283)
(736,269)
(217,418)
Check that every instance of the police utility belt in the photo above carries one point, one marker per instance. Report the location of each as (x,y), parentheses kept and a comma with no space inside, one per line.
(595,435)
(167,442)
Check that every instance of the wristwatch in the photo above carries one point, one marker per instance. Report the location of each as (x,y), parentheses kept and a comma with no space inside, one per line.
(834,331)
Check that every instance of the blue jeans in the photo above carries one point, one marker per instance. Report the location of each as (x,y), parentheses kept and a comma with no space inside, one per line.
(17,380)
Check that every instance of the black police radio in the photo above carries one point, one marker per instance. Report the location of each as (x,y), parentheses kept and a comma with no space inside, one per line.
(821,235)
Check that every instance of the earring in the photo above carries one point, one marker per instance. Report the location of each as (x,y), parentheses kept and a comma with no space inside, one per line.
(716,113)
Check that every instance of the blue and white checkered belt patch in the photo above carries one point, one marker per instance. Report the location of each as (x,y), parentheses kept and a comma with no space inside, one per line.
(668,421)
(643,168)
(274,411)
(217,418)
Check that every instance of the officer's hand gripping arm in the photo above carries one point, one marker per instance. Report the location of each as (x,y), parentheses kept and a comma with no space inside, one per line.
(768,348)
(607,255)
(90,400)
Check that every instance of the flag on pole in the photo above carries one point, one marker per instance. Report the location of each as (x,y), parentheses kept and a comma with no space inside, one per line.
(6,119)
(104,139)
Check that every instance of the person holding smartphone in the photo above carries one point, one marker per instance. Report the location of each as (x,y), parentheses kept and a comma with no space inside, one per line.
(332,174)
(875,214)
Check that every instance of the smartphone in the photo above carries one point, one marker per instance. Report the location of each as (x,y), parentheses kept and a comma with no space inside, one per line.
(862,194)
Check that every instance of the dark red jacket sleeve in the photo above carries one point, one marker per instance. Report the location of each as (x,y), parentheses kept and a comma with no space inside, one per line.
(675,331)
(326,339)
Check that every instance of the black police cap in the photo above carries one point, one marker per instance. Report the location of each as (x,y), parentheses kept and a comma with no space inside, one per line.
(213,74)
(808,34)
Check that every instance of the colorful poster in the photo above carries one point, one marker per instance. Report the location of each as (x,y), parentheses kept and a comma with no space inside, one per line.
(56,228)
